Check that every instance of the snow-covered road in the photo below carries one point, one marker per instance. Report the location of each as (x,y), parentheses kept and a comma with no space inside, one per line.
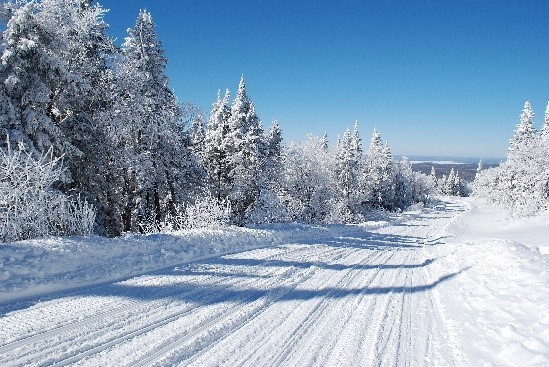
(366,298)
(362,299)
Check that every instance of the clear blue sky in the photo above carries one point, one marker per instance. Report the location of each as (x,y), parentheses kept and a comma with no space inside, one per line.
(434,77)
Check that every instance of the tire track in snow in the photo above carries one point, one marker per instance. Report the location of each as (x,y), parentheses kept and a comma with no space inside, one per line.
(295,317)
(50,338)
(316,346)
(194,350)
(390,335)
(360,333)
(78,305)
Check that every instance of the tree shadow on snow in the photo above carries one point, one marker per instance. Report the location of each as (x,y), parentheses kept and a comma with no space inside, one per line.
(201,294)
(188,280)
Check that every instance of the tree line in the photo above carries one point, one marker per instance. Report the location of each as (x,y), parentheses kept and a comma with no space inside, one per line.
(126,155)
(521,183)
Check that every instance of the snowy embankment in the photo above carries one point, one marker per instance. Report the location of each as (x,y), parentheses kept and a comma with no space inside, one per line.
(34,267)
(497,308)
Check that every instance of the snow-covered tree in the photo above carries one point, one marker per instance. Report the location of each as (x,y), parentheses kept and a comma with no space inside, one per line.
(193,117)
(377,181)
(325,141)
(216,145)
(307,181)
(157,157)
(31,72)
(479,168)
(525,133)
(269,206)
(434,179)
(545,128)
(522,182)
(245,151)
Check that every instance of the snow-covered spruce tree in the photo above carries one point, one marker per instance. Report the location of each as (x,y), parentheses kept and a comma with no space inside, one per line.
(348,156)
(269,206)
(378,175)
(193,117)
(157,158)
(448,186)
(216,155)
(85,112)
(245,152)
(479,168)
(525,134)
(545,128)
(521,183)
(31,72)
(76,97)
(434,179)
(325,141)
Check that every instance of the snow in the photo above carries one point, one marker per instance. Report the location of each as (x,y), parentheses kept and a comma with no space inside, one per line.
(459,284)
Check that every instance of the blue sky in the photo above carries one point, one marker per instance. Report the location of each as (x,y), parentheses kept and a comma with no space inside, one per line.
(434,77)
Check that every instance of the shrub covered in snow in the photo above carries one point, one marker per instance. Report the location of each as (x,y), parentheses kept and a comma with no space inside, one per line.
(29,204)
(207,212)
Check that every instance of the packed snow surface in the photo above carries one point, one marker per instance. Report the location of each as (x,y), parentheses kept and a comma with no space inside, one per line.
(442,286)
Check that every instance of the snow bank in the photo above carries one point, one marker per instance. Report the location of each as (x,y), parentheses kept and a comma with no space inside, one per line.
(33,267)
(490,222)
(498,306)
(43,265)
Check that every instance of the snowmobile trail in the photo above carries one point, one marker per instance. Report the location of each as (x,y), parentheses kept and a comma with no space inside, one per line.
(364,299)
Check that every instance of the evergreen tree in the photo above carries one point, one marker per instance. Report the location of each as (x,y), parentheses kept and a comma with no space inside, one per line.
(216,145)
(434,177)
(545,128)
(269,206)
(325,141)
(31,72)
(449,184)
(479,168)
(345,166)
(157,153)
(378,180)
(246,150)
(273,158)
(85,111)
(525,133)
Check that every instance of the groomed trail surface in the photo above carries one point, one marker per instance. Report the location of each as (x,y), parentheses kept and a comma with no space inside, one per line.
(365,298)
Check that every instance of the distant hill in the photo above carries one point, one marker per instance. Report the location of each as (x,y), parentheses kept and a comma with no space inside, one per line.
(466,166)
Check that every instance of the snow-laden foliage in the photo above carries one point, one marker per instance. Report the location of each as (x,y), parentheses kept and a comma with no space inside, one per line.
(138,156)
(521,183)
(207,212)
(452,184)
(30,206)
(307,181)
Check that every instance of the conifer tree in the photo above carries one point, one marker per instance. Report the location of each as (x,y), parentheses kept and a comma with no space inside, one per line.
(545,128)
(525,133)
(325,141)
(345,167)
(246,149)
(152,133)
(433,176)
(31,71)
(479,168)
(216,147)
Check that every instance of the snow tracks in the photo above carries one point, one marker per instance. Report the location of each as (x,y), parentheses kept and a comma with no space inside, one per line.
(363,299)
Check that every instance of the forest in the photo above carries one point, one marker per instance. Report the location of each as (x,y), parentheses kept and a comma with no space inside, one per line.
(93,140)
